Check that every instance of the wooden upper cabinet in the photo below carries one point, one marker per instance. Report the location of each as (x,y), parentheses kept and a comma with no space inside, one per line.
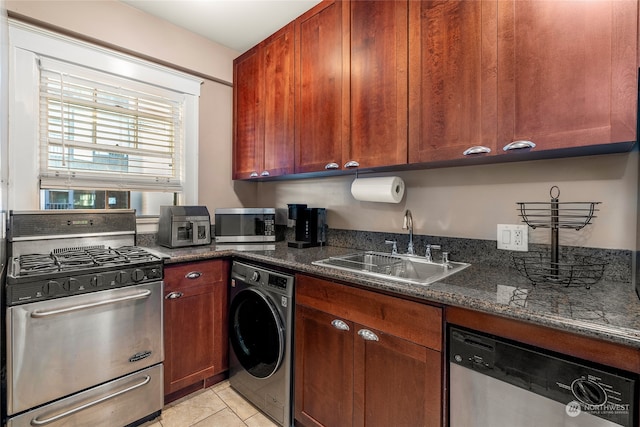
(279,103)
(567,72)
(248,114)
(379,75)
(386,83)
(322,87)
(264,108)
(453,81)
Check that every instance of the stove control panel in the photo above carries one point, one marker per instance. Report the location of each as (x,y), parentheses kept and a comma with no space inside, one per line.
(25,291)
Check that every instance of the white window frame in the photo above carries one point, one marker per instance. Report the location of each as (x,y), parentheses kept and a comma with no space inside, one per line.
(26,44)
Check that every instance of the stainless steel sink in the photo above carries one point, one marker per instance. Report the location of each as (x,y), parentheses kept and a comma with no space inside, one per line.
(401,268)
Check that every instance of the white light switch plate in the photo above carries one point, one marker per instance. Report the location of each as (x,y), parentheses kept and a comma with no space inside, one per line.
(513,237)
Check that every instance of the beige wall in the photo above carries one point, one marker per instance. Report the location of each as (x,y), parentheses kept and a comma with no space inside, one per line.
(456,202)
(469,201)
(215,187)
(126,28)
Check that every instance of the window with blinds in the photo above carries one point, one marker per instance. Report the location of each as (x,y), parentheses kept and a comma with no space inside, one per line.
(102,132)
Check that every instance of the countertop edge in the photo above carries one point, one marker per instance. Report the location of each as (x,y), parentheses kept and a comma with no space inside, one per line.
(428,294)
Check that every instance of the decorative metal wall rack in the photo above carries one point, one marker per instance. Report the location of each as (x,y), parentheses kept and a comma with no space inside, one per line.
(541,267)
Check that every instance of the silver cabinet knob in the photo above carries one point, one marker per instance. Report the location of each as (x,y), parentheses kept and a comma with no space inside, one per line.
(174,295)
(193,275)
(519,145)
(340,324)
(477,149)
(253,175)
(264,173)
(351,164)
(332,165)
(368,335)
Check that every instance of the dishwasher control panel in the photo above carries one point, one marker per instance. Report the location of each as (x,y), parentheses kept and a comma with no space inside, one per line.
(601,391)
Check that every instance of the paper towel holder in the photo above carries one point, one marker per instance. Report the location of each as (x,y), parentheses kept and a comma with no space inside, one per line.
(379,189)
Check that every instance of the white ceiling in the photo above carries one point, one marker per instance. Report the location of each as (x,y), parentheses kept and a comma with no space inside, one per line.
(237,24)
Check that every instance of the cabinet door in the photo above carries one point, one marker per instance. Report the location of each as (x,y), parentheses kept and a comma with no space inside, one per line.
(323,369)
(379,49)
(195,323)
(322,85)
(396,382)
(248,114)
(452,66)
(567,72)
(278,103)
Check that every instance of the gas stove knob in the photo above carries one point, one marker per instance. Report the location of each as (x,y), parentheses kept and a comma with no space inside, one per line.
(52,288)
(97,281)
(121,277)
(71,284)
(137,275)
(154,273)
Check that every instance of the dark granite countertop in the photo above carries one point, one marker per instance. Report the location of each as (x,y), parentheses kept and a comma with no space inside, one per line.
(609,310)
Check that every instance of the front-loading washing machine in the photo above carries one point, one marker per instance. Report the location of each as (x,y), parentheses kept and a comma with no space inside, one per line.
(260,338)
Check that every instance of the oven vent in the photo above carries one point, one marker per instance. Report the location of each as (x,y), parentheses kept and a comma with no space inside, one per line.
(77,248)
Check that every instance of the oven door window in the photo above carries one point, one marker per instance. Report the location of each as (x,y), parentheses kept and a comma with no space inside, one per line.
(256,333)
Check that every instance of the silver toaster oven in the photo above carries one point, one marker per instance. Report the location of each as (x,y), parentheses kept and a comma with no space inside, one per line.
(184,226)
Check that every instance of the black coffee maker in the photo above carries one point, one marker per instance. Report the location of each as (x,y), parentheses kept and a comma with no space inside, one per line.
(309,225)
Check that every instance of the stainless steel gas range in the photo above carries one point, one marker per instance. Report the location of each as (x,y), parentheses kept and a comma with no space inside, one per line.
(83,321)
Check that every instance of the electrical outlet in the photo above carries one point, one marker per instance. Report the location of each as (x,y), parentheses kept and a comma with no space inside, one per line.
(513,237)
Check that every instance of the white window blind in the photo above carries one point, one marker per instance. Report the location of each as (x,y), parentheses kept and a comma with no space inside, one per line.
(99,131)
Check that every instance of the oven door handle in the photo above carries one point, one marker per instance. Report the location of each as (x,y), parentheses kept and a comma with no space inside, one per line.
(37,422)
(37,314)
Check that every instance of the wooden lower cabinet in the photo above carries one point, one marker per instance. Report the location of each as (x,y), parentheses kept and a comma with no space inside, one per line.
(195,326)
(365,359)
(323,370)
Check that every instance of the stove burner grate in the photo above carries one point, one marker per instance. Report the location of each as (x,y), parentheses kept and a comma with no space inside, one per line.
(37,264)
(66,259)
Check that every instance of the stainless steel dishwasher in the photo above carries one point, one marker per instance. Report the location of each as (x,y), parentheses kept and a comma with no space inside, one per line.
(496,383)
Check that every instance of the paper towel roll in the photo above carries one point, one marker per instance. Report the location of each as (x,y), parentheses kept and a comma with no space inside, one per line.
(388,189)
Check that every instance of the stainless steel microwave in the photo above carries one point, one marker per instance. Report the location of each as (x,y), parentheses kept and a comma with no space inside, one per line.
(245,225)
(184,226)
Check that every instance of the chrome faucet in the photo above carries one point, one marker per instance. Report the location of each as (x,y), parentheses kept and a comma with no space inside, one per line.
(408,225)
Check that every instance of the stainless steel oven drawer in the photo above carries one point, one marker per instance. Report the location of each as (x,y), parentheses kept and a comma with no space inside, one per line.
(116,403)
(59,347)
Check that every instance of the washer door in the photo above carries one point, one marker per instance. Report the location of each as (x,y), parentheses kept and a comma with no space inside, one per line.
(256,333)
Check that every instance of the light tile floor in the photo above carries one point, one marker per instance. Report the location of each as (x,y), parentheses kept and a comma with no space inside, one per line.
(217,406)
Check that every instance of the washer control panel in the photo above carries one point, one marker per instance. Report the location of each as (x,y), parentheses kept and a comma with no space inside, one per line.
(263,277)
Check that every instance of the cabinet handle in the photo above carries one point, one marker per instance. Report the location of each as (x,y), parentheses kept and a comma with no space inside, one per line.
(368,335)
(351,164)
(518,145)
(478,149)
(174,295)
(193,275)
(339,324)
(332,165)
(253,175)
(264,173)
